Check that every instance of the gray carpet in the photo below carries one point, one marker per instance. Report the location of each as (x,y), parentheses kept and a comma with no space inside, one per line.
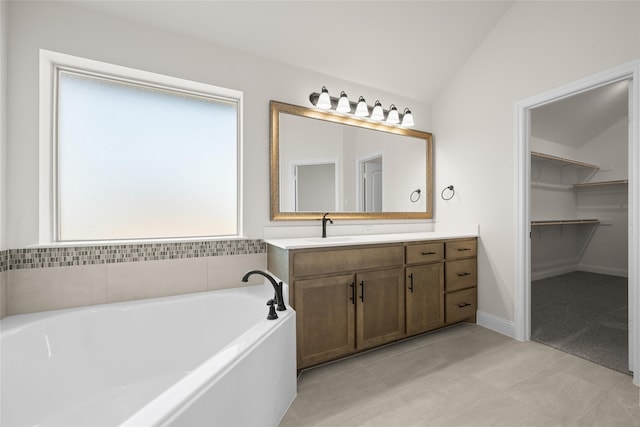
(584,314)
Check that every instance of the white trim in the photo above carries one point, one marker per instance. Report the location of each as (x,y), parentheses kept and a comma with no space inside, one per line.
(50,62)
(522,274)
(620,272)
(495,323)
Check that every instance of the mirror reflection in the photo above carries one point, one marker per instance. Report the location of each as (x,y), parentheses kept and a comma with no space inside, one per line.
(324,162)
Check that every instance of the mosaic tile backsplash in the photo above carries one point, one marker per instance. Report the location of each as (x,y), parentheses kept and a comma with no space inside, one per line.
(16,259)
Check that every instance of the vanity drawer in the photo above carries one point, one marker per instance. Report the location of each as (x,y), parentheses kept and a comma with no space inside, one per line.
(460,274)
(311,263)
(461,249)
(460,305)
(424,252)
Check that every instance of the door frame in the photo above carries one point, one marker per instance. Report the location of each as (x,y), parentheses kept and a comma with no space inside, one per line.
(522,280)
(360,161)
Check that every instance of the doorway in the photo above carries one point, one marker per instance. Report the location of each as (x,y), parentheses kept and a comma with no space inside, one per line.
(523,228)
(371,175)
(579,224)
(315,187)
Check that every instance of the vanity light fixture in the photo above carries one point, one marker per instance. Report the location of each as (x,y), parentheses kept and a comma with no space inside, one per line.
(407,120)
(393,117)
(324,100)
(344,105)
(377,113)
(360,109)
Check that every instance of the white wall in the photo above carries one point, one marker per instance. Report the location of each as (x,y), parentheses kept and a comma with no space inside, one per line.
(4,33)
(536,46)
(69,29)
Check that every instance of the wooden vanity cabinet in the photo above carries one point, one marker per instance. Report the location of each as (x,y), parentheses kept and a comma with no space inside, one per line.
(325,328)
(461,280)
(424,287)
(351,298)
(347,299)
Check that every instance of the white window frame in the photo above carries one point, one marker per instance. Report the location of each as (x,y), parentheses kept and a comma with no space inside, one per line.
(49,63)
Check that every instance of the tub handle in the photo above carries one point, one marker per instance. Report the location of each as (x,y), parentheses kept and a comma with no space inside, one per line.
(272,310)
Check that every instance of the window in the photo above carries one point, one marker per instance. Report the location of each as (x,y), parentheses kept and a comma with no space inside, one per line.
(136,159)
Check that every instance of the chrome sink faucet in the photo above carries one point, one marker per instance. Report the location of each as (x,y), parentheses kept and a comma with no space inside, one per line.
(325,219)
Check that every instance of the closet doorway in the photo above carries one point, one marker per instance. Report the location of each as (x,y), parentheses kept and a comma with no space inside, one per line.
(579,224)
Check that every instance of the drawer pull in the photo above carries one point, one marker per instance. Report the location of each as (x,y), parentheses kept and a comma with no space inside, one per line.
(353,292)
(429,253)
(464,304)
(463,249)
(411,281)
(362,291)
(464,274)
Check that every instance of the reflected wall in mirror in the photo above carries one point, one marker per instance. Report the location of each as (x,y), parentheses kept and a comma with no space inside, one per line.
(354,169)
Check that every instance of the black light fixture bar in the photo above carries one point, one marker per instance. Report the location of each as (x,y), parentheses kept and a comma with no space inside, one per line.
(314,96)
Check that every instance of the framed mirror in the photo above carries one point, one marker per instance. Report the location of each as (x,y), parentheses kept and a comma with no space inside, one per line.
(352,168)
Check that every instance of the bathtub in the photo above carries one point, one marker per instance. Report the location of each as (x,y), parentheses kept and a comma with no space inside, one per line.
(206,359)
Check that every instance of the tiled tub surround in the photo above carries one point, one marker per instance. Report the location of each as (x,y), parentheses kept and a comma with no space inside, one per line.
(62,277)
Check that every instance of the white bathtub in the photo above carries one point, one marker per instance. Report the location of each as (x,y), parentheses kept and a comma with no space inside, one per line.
(207,359)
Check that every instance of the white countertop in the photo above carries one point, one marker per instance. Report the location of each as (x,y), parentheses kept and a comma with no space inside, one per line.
(368,239)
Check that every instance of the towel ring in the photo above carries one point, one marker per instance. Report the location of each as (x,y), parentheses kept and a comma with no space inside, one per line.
(415,195)
(450,188)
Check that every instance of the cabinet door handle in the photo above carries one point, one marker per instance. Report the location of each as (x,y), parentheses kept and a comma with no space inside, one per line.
(362,291)
(464,304)
(411,282)
(463,249)
(429,253)
(353,292)
(464,274)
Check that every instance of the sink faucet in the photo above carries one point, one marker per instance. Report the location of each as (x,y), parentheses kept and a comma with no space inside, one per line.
(325,219)
(276,286)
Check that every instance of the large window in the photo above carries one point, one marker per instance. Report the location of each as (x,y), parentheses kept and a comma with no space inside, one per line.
(134,160)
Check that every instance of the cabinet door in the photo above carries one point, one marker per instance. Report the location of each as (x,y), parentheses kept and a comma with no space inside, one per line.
(325,313)
(379,308)
(425,297)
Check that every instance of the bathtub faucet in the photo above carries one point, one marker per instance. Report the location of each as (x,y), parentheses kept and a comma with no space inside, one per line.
(276,286)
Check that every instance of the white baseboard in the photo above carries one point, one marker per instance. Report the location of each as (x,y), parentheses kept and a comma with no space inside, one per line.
(553,268)
(495,323)
(620,272)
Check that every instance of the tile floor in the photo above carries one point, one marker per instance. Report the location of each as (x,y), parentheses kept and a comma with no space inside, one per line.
(464,375)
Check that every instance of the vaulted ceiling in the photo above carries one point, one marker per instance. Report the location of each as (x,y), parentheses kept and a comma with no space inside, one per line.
(412,48)
(576,120)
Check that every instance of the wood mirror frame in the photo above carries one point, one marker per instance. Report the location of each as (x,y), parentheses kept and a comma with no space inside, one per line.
(278,108)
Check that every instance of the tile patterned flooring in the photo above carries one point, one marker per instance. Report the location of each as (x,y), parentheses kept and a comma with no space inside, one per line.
(464,375)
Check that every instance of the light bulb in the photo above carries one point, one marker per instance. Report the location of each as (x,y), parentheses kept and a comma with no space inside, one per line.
(324,102)
(361,109)
(407,120)
(377,113)
(393,117)
(343,104)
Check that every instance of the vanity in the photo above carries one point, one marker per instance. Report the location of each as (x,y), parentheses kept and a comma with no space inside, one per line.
(354,293)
